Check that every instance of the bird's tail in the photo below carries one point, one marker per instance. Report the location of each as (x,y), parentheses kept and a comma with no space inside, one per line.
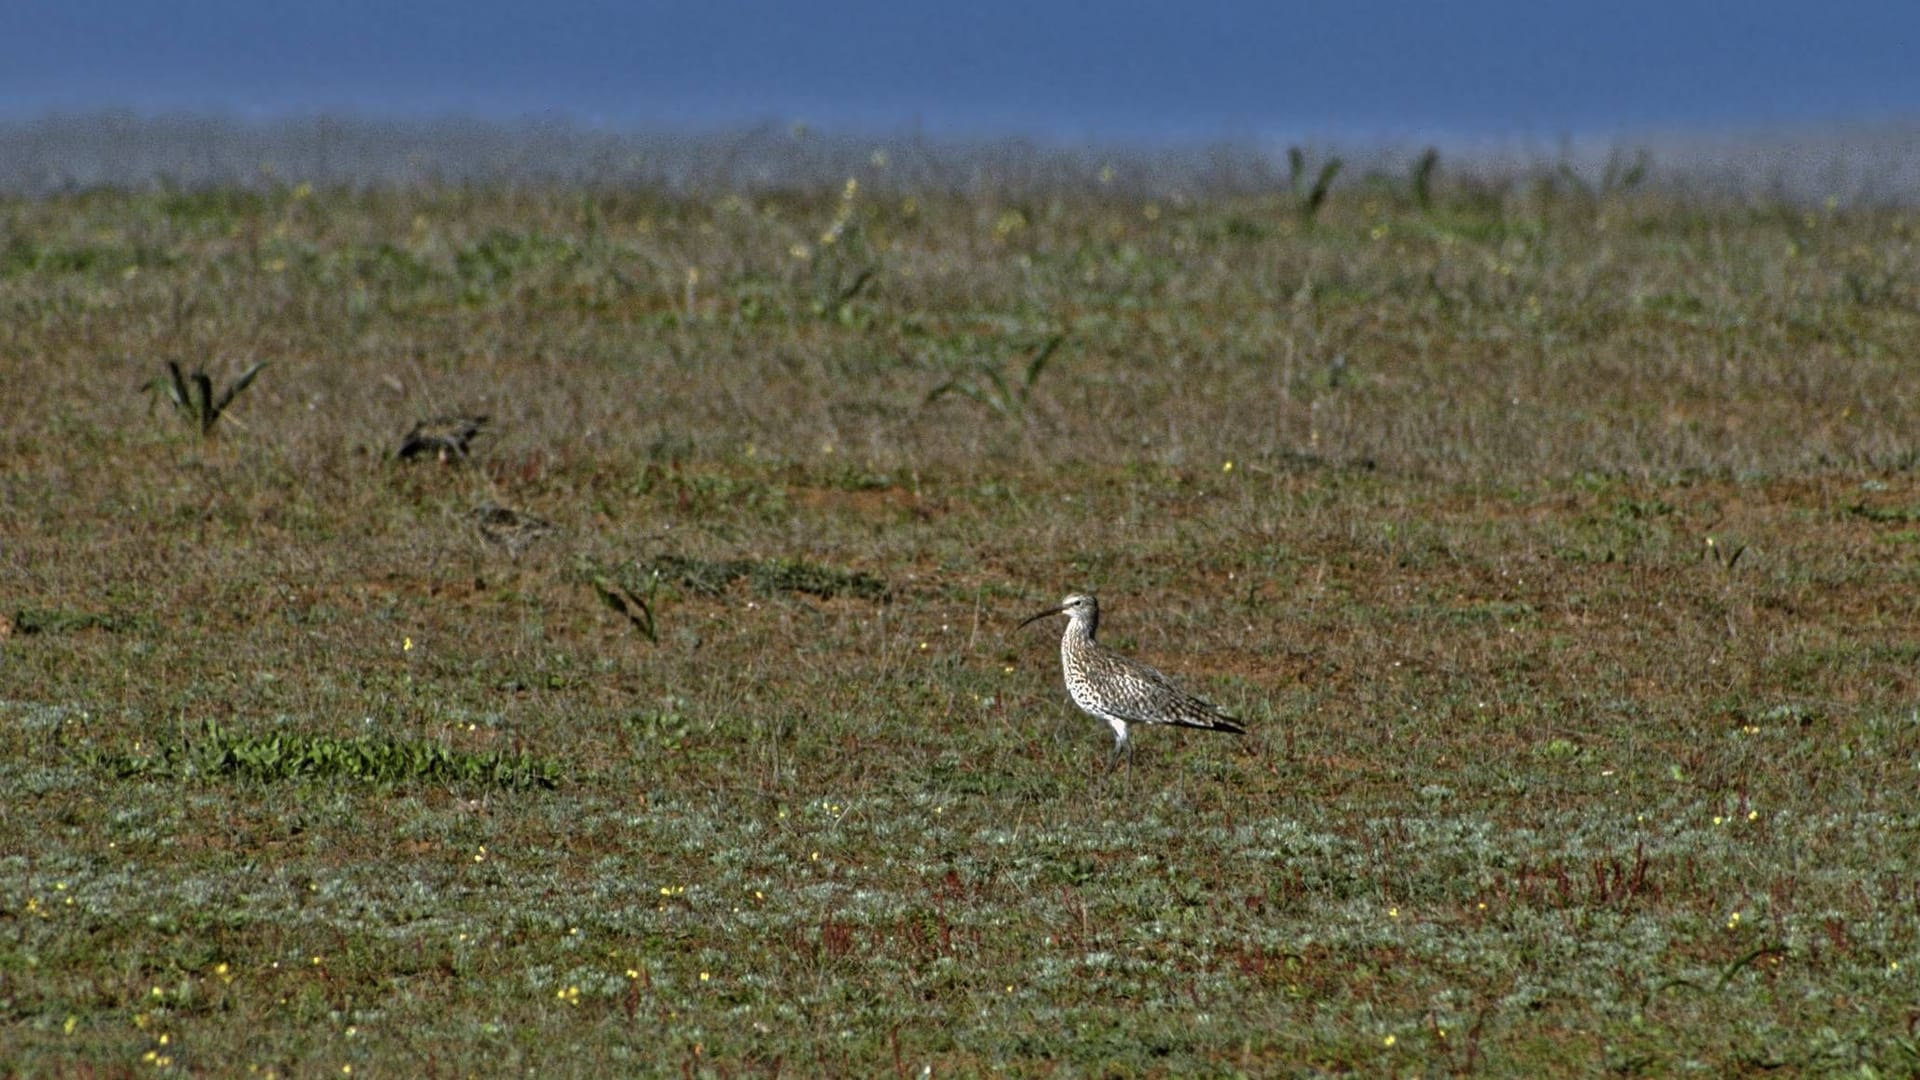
(1207,719)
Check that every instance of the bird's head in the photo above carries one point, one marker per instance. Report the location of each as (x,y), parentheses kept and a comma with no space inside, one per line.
(1077,607)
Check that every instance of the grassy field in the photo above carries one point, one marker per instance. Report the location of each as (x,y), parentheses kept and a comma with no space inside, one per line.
(1560,550)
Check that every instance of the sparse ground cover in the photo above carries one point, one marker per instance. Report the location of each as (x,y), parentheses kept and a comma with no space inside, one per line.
(1558,549)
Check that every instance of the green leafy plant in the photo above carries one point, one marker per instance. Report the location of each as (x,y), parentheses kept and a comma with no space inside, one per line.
(842,264)
(1423,171)
(291,756)
(664,728)
(1723,554)
(983,383)
(635,606)
(1621,174)
(835,293)
(192,395)
(1311,195)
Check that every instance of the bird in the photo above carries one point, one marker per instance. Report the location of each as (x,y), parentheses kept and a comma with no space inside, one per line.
(1120,690)
(447,438)
(510,529)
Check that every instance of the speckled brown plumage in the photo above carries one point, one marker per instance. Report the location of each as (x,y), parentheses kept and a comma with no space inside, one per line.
(1119,690)
(508,528)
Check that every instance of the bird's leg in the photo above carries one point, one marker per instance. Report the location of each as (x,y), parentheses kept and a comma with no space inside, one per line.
(1122,748)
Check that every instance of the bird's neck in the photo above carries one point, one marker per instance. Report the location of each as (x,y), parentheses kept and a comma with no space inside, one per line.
(1080,630)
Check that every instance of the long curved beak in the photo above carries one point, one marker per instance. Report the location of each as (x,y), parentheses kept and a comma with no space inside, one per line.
(1055,610)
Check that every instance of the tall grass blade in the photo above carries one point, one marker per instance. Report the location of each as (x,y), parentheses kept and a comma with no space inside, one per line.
(203,407)
(181,398)
(232,391)
(1322,184)
(1039,364)
(1423,171)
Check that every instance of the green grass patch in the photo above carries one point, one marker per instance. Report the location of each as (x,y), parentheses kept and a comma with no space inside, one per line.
(766,577)
(288,757)
(55,621)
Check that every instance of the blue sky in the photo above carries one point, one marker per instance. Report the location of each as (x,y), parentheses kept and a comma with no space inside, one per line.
(1203,69)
